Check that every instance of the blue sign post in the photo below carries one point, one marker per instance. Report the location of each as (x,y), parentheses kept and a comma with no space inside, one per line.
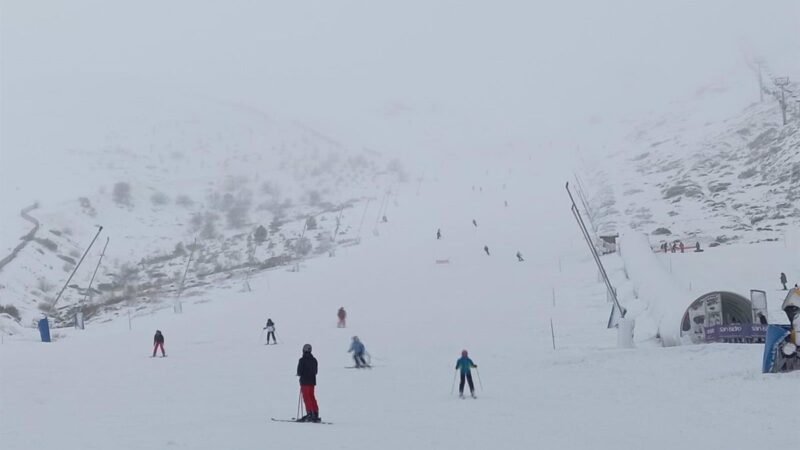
(44,330)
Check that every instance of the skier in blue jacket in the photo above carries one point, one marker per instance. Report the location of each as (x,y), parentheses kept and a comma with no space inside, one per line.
(358,349)
(465,365)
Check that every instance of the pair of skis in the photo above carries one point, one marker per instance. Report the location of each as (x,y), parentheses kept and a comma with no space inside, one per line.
(300,421)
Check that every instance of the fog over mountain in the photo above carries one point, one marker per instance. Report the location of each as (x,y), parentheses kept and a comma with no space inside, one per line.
(414,76)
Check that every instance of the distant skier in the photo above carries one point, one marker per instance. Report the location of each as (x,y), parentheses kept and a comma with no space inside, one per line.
(342,315)
(697,248)
(486,249)
(307,371)
(384,219)
(358,349)
(465,365)
(519,257)
(681,245)
(474,222)
(270,327)
(438,234)
(783,281)
(158,343)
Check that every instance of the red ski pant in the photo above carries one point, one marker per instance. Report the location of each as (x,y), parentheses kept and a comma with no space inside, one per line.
(308,398)
(158,345)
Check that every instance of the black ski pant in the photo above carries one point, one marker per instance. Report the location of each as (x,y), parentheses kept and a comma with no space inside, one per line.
(359,359)
(468,377)
(271,333)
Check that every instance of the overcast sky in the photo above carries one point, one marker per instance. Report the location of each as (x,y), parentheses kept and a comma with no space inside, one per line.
(389,73)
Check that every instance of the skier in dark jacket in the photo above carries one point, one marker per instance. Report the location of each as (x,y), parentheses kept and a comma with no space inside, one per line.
(783,281)
(439,233)
(486,249)
(465,365)
(342,315)
(158,342)
(270,327)
(307,371)
(519,257)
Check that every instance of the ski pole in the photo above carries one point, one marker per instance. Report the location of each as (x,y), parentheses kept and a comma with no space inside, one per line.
(480,383)
(299,403)
(453,387)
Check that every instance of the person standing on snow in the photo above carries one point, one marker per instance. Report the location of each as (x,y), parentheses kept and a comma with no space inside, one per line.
(307,371)
(358,349)
(519,257)
(465,365)
(438,234)
(486,249)
(342,315)
(158,342)
(270,327)
(474,222)
(783,281)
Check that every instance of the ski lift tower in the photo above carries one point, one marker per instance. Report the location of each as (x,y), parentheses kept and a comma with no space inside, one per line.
(782,83)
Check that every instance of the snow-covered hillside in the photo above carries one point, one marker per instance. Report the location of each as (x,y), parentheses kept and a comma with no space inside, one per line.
(188,184)
(708,171)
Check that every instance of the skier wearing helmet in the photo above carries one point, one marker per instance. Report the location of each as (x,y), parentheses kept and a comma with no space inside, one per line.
(307,371)
(465,365)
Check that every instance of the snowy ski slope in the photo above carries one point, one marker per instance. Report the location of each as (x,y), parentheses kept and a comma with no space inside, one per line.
(219,385)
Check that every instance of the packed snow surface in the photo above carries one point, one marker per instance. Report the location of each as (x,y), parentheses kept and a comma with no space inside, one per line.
(220,385)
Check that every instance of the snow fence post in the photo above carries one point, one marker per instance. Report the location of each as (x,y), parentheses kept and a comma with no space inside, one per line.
(625,332)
